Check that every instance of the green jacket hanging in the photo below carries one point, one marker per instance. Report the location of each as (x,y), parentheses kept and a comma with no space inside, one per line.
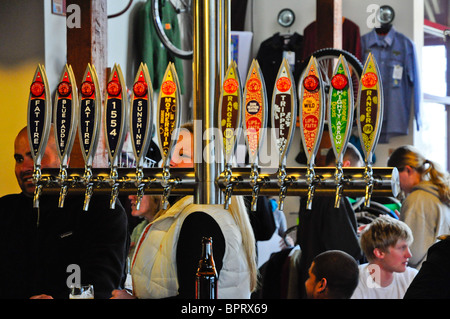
(152,50)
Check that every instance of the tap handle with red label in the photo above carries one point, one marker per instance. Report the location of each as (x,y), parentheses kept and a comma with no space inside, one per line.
(141,120)
(370,117)
(312,118)
(229,119)
(255,120)
(89,124)
(115,120)
(340,118)
(284,113)
(168,123)
(65,114)
(39,121)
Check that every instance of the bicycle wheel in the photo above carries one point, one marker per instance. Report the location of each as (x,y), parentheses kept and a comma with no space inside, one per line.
(180,11)
(327,58)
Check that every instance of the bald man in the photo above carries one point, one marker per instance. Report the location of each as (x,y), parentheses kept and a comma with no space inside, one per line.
(44,250)
(24,161)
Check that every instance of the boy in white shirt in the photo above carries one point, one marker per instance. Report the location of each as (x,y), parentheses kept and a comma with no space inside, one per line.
(385,242)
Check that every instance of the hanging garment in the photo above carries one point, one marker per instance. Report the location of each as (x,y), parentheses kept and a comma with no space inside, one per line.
(151,50)
(238,12)
(351,40)
(270,55)
(396,57)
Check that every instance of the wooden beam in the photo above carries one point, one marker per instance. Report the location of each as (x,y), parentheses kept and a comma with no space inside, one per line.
(329,23)
(88,44)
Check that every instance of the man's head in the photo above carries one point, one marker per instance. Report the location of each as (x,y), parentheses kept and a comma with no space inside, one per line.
(183,153)
(24,161)
(333,274)
(385,242)
(352,157)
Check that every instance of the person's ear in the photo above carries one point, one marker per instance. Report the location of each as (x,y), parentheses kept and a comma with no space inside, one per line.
(322,285)
(409,170)
(346,163)
(378,253)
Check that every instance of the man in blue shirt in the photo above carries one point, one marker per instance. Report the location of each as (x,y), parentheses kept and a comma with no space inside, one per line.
(397,60)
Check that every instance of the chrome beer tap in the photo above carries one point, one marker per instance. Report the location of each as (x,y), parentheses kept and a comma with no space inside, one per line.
(255,120)
(115,119)
(370,117)
(168,122)
(340,119)
(284,114)
(312,110)
(39,119)
(141,120)
(65,114)
(229,119)
(90,104)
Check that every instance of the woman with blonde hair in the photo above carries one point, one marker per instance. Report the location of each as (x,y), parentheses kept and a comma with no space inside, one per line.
(426,209)
(167,253)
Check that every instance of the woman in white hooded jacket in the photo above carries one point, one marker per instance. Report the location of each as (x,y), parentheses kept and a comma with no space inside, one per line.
(426,209)
(168,251)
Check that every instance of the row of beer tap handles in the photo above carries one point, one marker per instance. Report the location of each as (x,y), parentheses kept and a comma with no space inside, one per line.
(314,105)
(240,110)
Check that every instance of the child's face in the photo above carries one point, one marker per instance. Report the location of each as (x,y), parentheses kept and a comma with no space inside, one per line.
(396,258)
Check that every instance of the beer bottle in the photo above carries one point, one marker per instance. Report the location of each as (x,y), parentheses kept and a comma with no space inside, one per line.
(206,280)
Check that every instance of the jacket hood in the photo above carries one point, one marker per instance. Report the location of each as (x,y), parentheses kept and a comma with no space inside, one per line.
(428,187)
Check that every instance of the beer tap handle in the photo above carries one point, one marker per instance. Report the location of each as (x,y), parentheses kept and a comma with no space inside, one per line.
(140,125)
(64,186)
(139,195)
(62,195)
(166,194)
(228,193)
(168,123)
(371,109)
(368,176)
(256,186)
(340,118)
(282,196)
(140,186)
(114,196)
(283,187)
(255,194)
(229,119)
(87,196)
(255,119)
(89,126)
(115,119)
(229,184)
(311,190)
(312,118)
(37,195)
(38,188)
(311,181)
(66,119)
(89,187)
(284,114)
(168,183)
(339,185)
(39,118)
(114,175)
